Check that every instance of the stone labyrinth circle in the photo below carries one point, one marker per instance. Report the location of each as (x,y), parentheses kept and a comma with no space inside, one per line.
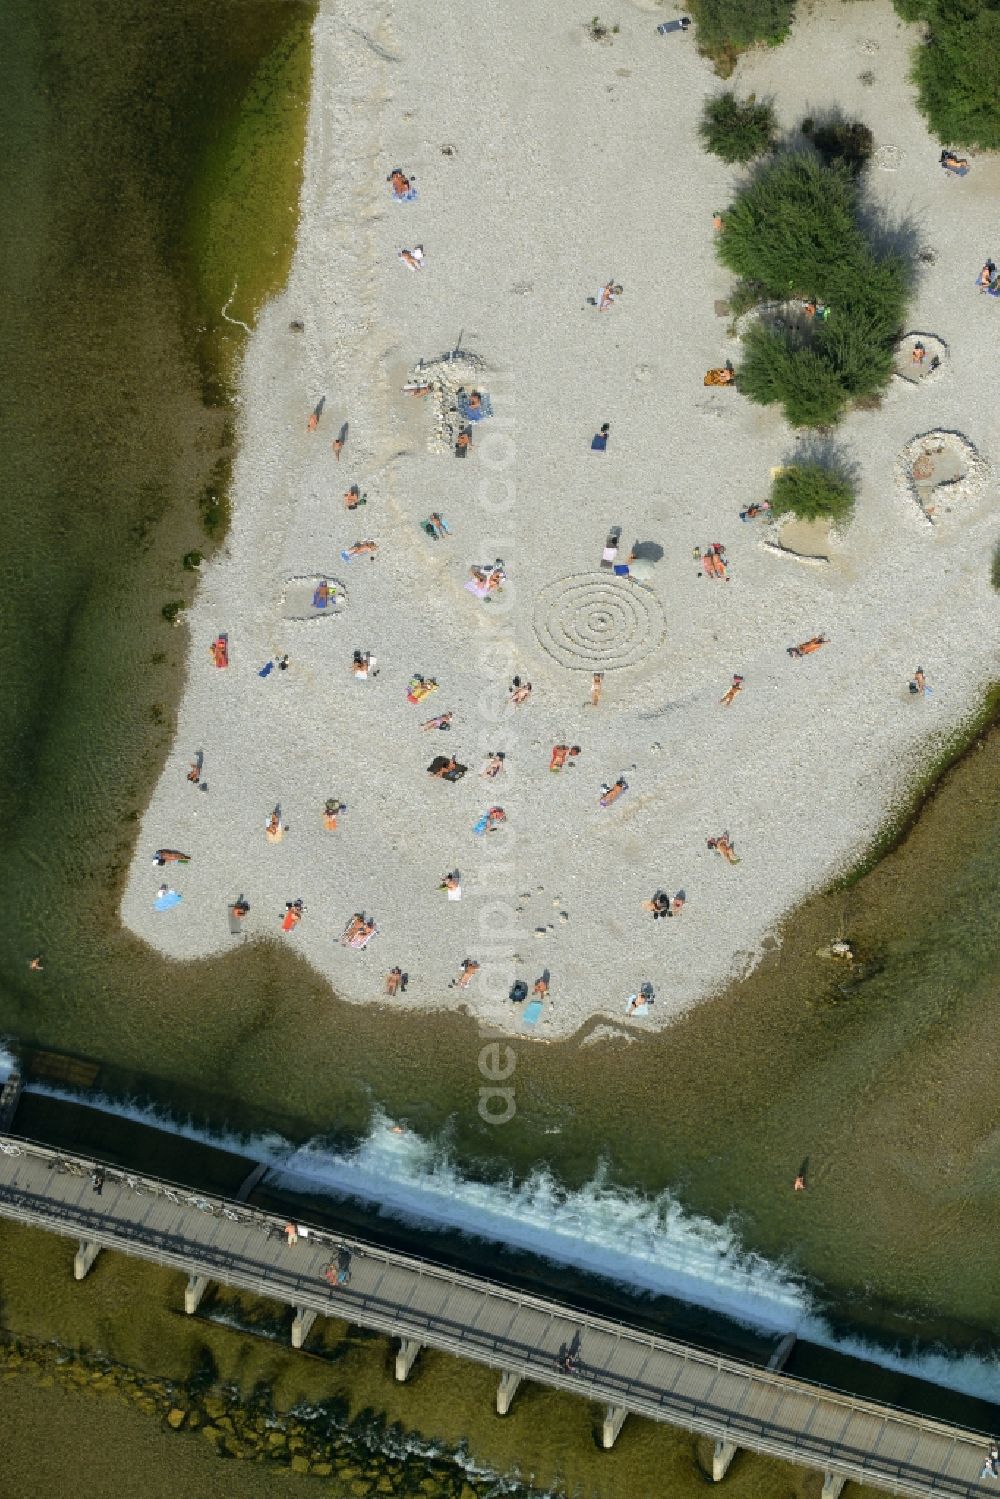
(596,622)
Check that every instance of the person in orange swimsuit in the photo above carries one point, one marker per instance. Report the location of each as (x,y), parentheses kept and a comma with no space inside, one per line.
(293,915)
(808,646)
(610,794)
(540,987)
(727,697)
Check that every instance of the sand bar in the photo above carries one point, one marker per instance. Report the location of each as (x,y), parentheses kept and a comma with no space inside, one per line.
(546,163)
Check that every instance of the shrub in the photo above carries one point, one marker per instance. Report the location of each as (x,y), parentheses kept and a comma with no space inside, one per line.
(957,71)
(728,27)
(736,130)
(812,492)
(847,143)
(794,233)
(774,369)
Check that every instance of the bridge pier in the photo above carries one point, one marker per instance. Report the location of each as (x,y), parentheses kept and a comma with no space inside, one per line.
(725,1451)
(721,1458)
(507,1389)
(85,1257)
(406,1357)
(832,1484)
(614,1420)
(301,1324)
(193,1292)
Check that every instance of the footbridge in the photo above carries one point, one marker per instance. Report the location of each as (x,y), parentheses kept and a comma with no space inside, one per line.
(625,1369)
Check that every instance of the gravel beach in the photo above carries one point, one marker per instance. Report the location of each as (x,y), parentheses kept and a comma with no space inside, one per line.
(546,164)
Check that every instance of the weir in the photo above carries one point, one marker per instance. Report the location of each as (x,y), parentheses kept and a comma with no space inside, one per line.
(625,1369)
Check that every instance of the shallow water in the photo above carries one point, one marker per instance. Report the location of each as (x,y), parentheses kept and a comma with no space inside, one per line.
(874,1073)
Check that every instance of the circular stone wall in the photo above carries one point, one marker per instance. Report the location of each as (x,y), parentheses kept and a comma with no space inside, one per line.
(597,622)
(940,470)
(919,374)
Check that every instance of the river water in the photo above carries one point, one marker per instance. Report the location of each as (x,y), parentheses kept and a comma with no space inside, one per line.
(133,135)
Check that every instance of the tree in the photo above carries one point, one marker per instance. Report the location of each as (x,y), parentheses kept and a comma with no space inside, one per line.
(794,233)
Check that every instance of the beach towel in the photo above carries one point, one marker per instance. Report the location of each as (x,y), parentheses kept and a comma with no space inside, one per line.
(665,27)
(479,828)
(362,939)
(456,893)
(235,922)
(410,196)
(266,671)
(599,443)
(532,1012)
(166,900)
(620,569)
(479,589)
(632,1008)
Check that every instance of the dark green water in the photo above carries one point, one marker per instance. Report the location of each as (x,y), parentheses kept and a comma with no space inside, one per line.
(150,158)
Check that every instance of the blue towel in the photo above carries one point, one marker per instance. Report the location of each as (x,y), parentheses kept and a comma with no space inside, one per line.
(165,901)
(599,443)
(532,1012)
(265,671)
(620,569)
(479,828)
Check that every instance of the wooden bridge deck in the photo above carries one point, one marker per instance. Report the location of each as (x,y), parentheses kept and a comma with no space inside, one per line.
(404,1297)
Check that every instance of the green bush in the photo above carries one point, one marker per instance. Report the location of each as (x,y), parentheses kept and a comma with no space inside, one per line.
(728,27)
(957,70)
(794,233)
(775,369)
(812,492)
(847,143)
(737,130)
